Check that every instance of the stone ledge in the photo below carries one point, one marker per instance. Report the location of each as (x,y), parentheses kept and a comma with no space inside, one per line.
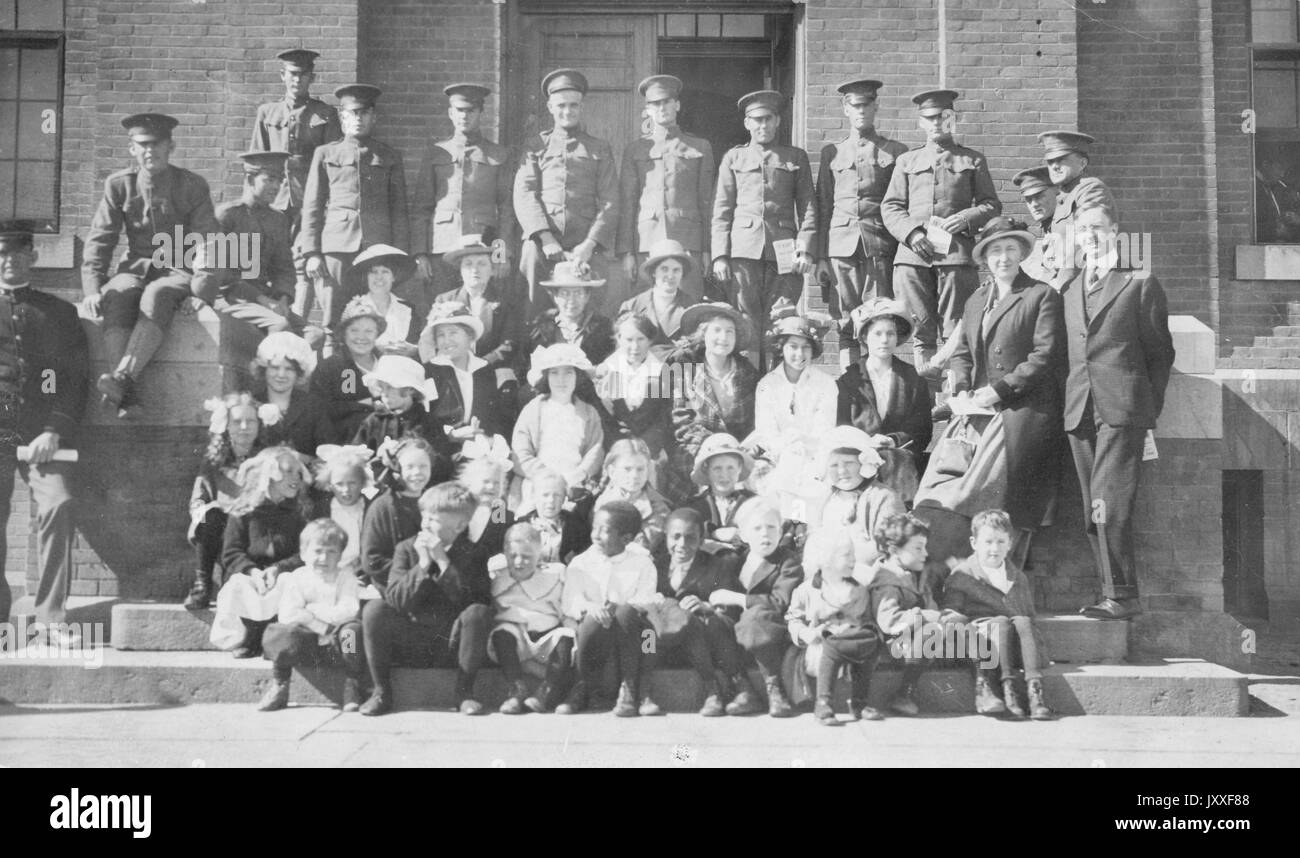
(1169,687)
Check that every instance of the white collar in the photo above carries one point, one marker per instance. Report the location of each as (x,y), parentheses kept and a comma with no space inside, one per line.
(5,287)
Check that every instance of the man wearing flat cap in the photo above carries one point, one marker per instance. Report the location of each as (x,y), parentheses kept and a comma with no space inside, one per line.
(1045,261)
(566,192)
(465,190)
(44,376)
(296,124)
(855,250)
(1066,155)
(940,192)
(262,293)
(764,215)
(667,186)
(139,300)
(355,198)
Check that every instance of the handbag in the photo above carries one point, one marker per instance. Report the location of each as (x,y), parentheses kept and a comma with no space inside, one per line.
(953,454)
(669,619)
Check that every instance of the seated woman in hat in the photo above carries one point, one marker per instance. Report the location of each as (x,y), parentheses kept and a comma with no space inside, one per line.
(290,413)
(714,391)
(337,380)
(884,397)
(468,403)
(794,404)
(484,299)
(1009,358)
(663,304)
(572,321)
(374,273)
(556,431)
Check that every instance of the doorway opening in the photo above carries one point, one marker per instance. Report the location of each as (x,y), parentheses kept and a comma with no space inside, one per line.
(1244,595)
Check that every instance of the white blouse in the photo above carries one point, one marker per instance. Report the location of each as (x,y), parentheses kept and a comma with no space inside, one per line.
(464,378)
(785,412)
(398,320)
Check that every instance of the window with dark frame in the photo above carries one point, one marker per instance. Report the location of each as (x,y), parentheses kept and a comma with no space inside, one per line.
(1275,99)
(31,92)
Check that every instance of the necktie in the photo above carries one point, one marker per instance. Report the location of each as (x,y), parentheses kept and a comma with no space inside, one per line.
(1093,280)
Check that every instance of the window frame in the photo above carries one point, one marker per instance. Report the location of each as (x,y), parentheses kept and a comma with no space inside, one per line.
(58,41)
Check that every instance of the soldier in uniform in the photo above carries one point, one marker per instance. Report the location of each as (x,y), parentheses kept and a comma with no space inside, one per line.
(1066,156)
(296,124)
(764,215)
(1039,194)
(566,192)
(466,188)
(355,197)
(139,300)
(950,183)
(856,252)
(44,375)
(667,185)
(263,293)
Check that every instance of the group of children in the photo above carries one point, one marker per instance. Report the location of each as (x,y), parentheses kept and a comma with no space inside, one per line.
(590,589)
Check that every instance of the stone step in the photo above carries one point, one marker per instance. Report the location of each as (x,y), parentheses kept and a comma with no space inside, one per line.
(80,609)
(1286,331)
(1293,312)
(156,626)
(1169,687)
(1278,341)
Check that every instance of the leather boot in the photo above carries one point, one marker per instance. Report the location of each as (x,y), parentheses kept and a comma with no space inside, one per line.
(746,701)
(1015,711)
(147,336)
(251,647)
(778,705)
(276,697)
(380,702)
(575,702)
(351,694)
(625,706)
(987,701)
(904,703)
(1038,709)
(200,591)
(515,703)
(541,700)
(714,694)
(824,712)
(466,704)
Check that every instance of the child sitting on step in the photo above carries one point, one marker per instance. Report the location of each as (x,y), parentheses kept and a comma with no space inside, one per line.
(627,478)
(344,485)
(988,590)
(529,628)
(395,514)
(318,623)
(565,532)
(400,392)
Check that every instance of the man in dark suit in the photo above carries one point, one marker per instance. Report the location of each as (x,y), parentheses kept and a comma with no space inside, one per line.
(1121,354)
(44,376)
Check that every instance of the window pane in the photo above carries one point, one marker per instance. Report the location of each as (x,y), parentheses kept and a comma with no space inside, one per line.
(33,142)
(8,132)
(708,26)
(1277,203)
(743,26)
(8,73)
(8,16)
(1272,21)
(40,73)
(40,14)
(35,190)
(6,189)
(680,25)
(1275,95)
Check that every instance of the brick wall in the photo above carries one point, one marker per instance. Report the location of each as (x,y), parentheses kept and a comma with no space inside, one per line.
(1140,96)
(411,49)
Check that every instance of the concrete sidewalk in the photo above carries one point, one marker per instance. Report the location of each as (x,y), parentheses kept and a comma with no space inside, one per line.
(219,735)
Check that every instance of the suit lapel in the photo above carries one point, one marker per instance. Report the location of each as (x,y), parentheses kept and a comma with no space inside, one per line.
(868,391)
(898,393)
(1016,295)
(1115,283)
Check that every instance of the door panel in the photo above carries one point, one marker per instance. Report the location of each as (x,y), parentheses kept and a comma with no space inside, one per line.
(615,52)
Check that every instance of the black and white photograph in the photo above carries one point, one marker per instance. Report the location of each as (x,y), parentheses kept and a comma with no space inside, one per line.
(650,383)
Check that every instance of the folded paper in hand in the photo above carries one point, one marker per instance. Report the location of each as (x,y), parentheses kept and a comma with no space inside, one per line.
(964,406)
(938,236)
(784,250)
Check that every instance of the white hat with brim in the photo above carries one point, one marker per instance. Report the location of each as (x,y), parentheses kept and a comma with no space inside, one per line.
(720,444)
(477,248)
(852,438)
(881,308)
(283,344)
(700,313)
(566,275)
(447,313)
(400,372)
(667,249)
(551,357)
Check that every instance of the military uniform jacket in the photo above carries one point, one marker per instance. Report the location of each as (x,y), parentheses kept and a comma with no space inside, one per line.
(44,367)
(466,187)
(355,197)
(568,184)
(938,181)
(852,181)
(1071,196)
(667,192)
(1120,349)
(275,276)
(283,127)
(175,198)
(764,195)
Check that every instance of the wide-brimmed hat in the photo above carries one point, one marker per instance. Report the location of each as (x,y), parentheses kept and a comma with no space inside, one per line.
(786,322)
(397,261)
(283,344)
(1003,227)
(475,248)
(557,355)
(667,249)
(878,308)
(852,438)
(398,371)
(700,313)
(360,307)
(718,444)
(447,313)
(566,274)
